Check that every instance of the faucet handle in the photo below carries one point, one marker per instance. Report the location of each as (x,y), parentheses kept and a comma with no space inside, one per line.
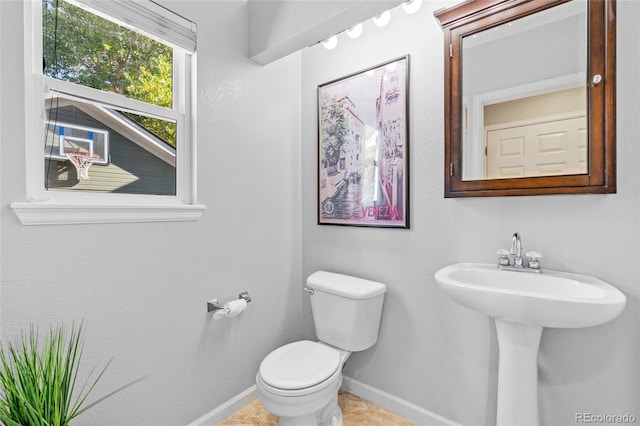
(534,255)
(504,257)
(534,259)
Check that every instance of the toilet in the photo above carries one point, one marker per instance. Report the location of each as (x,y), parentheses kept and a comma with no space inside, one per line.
(299,382)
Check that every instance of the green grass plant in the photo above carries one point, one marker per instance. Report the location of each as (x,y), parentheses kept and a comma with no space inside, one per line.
(38,379)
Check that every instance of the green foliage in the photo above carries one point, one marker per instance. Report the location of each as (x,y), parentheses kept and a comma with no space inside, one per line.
(150,85)
(38,382)
(333,129)
(84,48)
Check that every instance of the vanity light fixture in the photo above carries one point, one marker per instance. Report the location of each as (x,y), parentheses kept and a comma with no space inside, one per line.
(331,42)
(355,31)
(382,19)
(411,6)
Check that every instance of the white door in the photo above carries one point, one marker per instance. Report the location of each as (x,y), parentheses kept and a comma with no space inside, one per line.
(553,147)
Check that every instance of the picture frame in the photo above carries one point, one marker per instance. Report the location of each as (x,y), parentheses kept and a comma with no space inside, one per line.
(363,147)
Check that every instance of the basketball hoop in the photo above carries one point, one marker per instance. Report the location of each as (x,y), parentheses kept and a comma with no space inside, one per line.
(82,161)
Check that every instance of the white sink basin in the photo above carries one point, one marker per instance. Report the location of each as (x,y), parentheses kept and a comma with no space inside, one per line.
(550,299)
(522,303)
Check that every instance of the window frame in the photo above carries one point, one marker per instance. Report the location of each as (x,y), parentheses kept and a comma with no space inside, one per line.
(44,206)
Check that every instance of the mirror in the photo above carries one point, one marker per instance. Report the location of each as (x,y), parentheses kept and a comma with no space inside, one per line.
(529,97)
(524,101)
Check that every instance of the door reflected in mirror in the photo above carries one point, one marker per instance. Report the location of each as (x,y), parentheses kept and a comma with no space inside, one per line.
(524,96)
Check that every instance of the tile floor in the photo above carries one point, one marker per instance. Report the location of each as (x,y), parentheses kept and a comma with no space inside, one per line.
(356,412)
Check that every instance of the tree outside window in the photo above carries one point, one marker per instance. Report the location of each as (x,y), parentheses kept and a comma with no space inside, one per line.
(83,48)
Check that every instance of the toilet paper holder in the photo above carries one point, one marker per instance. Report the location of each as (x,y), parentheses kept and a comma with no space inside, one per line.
(214,305)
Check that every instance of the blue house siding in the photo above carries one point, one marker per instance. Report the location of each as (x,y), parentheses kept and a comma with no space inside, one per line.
(131,169)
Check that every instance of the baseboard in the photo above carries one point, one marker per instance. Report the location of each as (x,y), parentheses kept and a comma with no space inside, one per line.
(219,414)
(394,404)
(382,399)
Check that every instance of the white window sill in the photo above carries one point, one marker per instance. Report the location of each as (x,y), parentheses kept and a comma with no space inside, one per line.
(75,213)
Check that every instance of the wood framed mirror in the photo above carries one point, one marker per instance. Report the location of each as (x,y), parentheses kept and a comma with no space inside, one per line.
(529,97)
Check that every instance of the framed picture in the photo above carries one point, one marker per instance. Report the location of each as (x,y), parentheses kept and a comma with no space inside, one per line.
(363,148)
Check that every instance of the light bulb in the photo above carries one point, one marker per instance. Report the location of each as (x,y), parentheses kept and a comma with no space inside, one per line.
(355,31)
(382,19)
(411,6)
(331,42)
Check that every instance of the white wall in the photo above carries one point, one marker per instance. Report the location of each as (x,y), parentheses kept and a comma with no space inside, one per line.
(144,302)
(541,53)
(281,27)
(142,288)
(431,351)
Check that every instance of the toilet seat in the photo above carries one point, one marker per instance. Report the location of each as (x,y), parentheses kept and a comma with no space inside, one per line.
(299,365)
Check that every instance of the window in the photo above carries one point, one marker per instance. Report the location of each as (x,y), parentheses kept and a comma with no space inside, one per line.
(112,113)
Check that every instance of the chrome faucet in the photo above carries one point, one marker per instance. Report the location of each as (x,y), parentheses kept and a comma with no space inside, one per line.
(516,250)
(512,259)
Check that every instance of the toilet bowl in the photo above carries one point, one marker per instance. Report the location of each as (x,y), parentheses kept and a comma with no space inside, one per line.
(299,382)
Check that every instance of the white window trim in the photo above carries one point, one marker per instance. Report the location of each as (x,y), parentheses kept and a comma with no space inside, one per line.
(44,207)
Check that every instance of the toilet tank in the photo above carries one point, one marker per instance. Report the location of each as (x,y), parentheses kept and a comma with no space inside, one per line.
(346,310)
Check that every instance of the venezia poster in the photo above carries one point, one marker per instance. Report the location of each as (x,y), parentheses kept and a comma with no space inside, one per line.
(363,148)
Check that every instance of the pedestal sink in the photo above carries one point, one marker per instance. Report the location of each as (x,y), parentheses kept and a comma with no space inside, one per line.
(522,304)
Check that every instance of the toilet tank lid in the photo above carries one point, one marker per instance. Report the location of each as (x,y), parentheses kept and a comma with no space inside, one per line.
(345,285)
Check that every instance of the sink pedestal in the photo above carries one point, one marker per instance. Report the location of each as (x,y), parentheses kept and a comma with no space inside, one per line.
(517,373)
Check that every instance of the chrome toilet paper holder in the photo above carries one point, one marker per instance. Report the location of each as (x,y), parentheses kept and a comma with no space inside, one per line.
(214,305)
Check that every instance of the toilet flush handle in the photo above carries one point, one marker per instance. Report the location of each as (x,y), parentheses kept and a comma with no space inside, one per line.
(309,290)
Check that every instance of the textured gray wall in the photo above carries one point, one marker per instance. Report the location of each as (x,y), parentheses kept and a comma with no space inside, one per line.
(144,303)
(142,288)
(432,352)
